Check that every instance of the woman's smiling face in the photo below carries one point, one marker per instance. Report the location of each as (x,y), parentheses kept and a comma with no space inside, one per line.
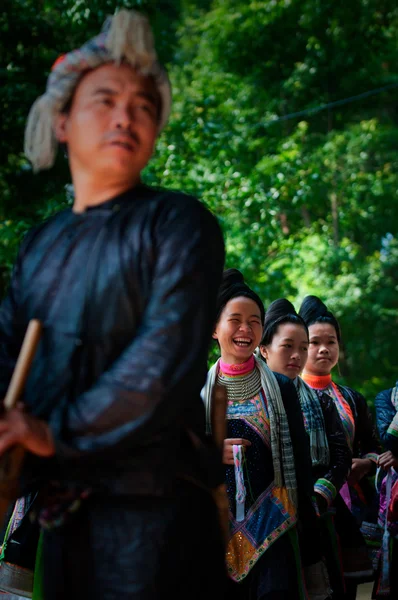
(238,330)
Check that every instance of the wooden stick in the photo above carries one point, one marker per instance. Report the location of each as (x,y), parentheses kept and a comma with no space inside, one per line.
(219,431)
(11,462)
(219,414)
(23,365)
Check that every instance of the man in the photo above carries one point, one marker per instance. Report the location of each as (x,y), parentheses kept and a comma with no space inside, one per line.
(124,284)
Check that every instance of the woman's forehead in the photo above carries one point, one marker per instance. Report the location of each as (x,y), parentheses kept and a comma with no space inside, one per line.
(242,305)
(322,330)
(291,330)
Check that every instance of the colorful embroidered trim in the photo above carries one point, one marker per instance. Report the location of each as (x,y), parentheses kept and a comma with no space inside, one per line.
(393,428)
(346,415)
(373,456)
(326,489)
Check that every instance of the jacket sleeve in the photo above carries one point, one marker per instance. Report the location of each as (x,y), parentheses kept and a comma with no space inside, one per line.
(386,416)
(367,444)
(340,455)
(11,335)
(155,382)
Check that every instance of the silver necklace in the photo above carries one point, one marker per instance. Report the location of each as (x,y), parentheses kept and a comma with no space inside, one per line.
(244,387)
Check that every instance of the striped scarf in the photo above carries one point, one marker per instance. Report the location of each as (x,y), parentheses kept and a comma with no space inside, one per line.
(314,423)
(324,383)
(281,443)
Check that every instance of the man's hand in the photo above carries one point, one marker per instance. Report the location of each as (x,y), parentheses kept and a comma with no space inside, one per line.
(387,460)
(359,468)
(228,457)
(19,428)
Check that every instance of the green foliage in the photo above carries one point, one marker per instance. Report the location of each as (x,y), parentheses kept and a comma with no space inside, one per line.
(308,204)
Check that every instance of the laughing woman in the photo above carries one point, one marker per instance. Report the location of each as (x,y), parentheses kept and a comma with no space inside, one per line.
(357,500)
(284,346)
(268,468)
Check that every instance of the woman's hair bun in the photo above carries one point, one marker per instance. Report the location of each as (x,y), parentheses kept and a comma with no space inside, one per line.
(232,286)
(232,276)
(279,308)
(312,307)
(313,310)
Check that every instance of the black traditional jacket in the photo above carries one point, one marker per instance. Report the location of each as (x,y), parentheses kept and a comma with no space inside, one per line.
(126,294)
(385,414)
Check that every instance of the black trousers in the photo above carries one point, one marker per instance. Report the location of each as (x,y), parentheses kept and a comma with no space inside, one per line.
(138,548)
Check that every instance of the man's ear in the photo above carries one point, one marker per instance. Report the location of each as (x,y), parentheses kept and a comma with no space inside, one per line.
(60,128)
(214,335)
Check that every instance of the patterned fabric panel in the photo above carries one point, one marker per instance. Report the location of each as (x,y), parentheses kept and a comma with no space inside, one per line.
(268,519)
(254,412)
(241,409)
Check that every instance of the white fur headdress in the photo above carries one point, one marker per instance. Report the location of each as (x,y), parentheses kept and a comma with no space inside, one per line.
(125,36)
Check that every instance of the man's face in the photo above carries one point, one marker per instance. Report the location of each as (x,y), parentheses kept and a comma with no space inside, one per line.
(111,128)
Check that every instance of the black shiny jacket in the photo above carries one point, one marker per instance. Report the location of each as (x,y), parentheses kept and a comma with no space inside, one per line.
(126,293)
(385,413)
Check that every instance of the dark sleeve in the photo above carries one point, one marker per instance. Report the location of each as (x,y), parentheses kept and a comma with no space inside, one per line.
(385,416)
(367,444)
(158,378)
(298,434)
(11,334)
(340,455)
(308,528)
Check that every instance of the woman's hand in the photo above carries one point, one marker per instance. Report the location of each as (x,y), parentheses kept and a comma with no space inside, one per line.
(228,457)
(387,460)
(19,428)
(359,468)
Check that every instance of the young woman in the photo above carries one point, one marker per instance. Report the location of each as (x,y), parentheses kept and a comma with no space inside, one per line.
(357,500)
(284,346)
(386,404)
(266,455)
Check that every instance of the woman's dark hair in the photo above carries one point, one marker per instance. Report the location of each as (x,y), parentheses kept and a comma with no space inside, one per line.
(233,286)
(313,310)
(279,311)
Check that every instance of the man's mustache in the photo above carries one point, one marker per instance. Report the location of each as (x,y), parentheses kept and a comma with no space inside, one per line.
(121,134)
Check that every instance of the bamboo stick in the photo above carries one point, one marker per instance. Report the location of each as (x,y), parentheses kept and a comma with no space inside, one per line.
(11,462)
(23,365)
